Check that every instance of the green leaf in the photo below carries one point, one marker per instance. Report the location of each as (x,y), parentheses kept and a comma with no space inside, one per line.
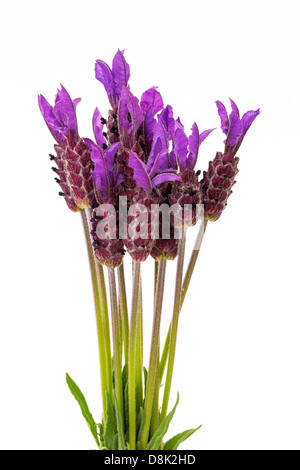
(126,407)
(162,430)
(79,397)
(121,440)
(139,445)
(109,424)
(140,422)
(145,379)
(101,433)
(115,444)
(174,442)
(125,375)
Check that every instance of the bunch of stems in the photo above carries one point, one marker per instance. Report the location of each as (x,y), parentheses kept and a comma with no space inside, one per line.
(127,339)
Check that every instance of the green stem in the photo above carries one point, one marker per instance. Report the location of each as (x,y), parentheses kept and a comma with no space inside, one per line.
(139,351)
(193,260)
(155,407)
(98,308)
(155,418)
(124,311)
(116,340)
(185,285)
(132,354)
(174,327)
(105,324)
(155,276)
(154,351)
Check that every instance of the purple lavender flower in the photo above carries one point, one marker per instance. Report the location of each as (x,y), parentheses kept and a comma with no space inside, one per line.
(217,182)
(113,79)
(72,153)
(151,167)
(234,127)
(183,158)
(109,251)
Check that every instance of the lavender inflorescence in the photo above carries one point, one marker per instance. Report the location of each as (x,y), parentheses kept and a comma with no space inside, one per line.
(143,154)
(139,166)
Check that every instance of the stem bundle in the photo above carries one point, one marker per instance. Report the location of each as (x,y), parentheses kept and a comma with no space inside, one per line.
(137,418)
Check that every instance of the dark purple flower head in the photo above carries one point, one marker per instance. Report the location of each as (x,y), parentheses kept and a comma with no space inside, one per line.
(234,127)
(218,180)
(73,160)
(60,118)
(113,79)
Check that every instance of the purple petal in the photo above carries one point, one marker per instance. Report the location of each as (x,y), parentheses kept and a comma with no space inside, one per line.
(205,134)
(152,98)
(160,164)
(178,124)
(156,149)
(160,132)
(181,147)
(98,128)
(120,72)
(158,160)
(109,155)
(116,179)
(140,171)
(129,104)
(166,117)
(76,102)
(65,112)
(235,131)
(103,162)
(149,125)
(193,155)
(248,118)
(51,121)
(91,144)
(223,116)
(194,143)
(100,174)
(234,109)
(173,160)
(103,73)
(165,127)
(163,178)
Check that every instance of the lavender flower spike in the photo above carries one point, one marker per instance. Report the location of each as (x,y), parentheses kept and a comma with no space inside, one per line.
(72,153)
(217,182)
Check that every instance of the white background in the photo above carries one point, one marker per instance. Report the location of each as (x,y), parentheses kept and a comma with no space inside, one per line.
(237,363)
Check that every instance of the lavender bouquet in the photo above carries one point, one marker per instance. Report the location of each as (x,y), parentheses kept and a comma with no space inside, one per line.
(137,190)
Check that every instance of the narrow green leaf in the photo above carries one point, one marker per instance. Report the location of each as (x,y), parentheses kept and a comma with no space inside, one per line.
(145,379)
(162,430)
(126,407)
(101,433)
(174,442)
(109,424)
(115,444)
(125,375)
(79,397)
(139,445)
(140,422)
(121,440)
